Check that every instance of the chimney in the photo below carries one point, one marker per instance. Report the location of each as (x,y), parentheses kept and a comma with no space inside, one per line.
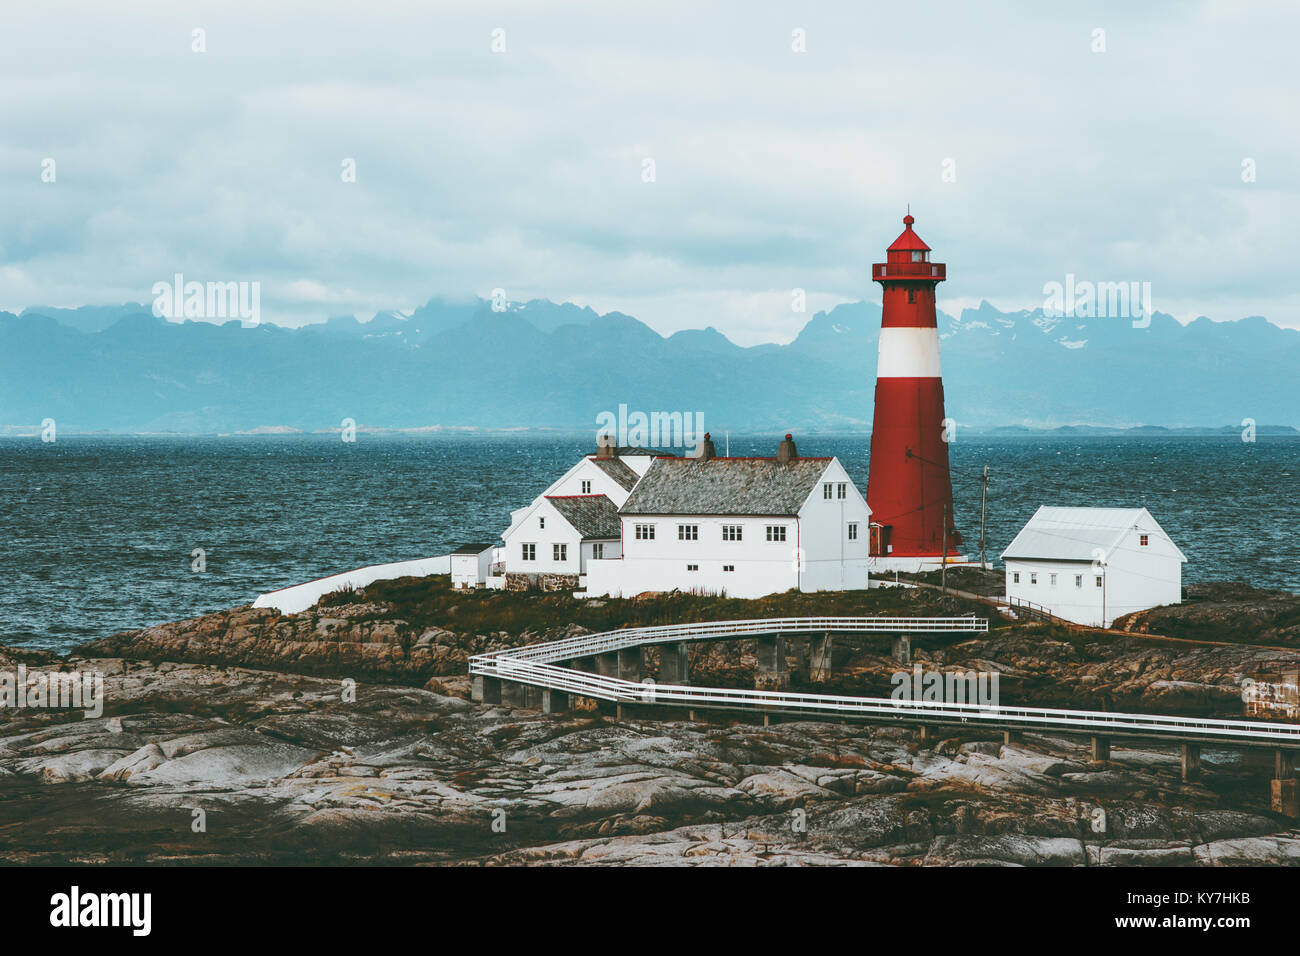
(605,447)
(706,448)
(785,451)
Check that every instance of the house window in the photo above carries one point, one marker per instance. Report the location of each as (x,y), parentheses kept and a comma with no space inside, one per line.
(560,552)
(1143,540)
(731,532)
(529,552)
(1015,577)
(541,522)
(728,567)
(1099,580)
(645,532)
(853,531)
(692,567)
(586,487)
(688,532)
(598,550)
(1052,582)
(841,490)
(1078,580)
(1033,577)
(826,491)
(776,532)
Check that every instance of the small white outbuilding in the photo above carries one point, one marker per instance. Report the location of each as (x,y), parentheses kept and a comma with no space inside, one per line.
(1093,565)
(470,564)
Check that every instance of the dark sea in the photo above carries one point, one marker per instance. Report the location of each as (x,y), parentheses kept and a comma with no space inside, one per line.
(97,533)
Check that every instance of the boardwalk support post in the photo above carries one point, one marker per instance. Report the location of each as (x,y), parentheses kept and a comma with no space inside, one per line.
(486,690)
(819,659)
(673,664)
(772,674)
(903,649)
(607,664)
(1100,749)
(1010,737)
(631,664)
(1285,798)
(1191,763)
(554,701)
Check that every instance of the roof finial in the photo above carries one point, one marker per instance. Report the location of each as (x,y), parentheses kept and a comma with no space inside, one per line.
(908,220)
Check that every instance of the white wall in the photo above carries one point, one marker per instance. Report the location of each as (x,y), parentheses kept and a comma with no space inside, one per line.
(1134,578)
(1079,604)
(601,484)
(831,561)
(530,529)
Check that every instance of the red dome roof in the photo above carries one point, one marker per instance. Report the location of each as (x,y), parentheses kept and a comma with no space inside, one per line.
(908,241)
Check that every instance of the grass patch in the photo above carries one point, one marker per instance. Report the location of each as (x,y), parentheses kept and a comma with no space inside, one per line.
(431,602)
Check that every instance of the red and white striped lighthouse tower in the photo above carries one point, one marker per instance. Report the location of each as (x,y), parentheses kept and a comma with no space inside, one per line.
(908,488)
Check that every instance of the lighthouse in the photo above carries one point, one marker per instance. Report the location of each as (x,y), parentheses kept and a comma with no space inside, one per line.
(908,487)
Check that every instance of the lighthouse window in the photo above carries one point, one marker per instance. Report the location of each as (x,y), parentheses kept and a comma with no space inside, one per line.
(918,256)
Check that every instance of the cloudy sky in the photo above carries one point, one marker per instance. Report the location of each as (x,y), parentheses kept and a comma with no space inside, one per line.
(526,170)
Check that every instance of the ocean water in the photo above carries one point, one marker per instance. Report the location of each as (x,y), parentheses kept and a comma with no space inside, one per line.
(97,533)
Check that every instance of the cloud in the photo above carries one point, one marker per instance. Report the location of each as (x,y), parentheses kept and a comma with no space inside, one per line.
(524,170)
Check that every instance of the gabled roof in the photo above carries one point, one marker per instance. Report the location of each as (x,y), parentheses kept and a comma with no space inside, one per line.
(1074,534)
(725,486)
(592,516)
(618,470)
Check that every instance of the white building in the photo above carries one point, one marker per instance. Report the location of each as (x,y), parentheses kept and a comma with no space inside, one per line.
(1092,565)
(550,540)
(470,565)
(744,527)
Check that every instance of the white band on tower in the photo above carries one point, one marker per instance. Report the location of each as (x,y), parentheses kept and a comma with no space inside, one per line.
(908,353)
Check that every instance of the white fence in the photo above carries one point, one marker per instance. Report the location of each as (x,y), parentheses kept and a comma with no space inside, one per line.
(535,665)
(299,597)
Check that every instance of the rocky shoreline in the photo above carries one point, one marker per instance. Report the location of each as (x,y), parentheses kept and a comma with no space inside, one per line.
(345,735)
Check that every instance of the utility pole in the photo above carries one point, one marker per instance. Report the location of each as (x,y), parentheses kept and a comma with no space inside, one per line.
(943,557)
(984,492)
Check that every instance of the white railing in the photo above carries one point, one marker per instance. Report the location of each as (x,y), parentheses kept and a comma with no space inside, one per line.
(588,644)
(535,665)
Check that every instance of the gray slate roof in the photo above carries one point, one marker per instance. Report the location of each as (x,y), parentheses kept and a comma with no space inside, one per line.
(725,486)
(618,470)
(592,516)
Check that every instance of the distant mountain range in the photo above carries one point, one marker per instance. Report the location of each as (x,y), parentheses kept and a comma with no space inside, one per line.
(542,364)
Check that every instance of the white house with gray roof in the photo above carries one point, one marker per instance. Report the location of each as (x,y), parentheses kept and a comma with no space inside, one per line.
(1092,565)
(743,527)
(550,540)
